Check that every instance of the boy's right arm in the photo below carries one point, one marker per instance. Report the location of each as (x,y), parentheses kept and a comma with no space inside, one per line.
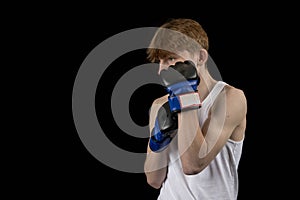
(155,166)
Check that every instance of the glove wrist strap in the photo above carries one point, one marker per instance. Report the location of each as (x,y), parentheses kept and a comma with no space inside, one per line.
(184,102)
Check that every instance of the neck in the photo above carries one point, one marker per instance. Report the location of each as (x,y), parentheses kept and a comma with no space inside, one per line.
(207,82)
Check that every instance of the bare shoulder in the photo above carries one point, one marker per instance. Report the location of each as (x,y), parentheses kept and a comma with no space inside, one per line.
(231,101)
(235,95)
(236,111)
(236,100)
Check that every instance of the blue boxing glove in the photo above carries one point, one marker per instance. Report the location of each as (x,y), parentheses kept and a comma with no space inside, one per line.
(181,81)
(164,130)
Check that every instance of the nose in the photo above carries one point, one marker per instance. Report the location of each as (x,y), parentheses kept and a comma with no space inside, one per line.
(162,66)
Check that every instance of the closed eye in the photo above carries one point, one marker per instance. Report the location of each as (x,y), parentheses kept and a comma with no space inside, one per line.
(172,59)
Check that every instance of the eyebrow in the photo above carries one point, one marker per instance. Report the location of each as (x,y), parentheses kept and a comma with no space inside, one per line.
(170,55)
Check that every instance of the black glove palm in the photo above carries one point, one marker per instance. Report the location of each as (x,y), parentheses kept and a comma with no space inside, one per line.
(181,81)
(165,126)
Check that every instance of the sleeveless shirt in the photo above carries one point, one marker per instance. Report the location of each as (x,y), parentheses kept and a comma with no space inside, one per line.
(219,180)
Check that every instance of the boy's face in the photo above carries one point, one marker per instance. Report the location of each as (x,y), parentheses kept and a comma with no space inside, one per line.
(172,58)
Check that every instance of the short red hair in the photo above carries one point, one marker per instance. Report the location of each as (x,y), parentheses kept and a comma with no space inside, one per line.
(177,35)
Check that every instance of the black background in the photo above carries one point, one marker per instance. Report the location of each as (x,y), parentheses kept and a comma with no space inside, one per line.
(57,164)
(229,48)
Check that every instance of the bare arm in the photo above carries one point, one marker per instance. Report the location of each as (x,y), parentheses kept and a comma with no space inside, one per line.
(155,166)
(198,146)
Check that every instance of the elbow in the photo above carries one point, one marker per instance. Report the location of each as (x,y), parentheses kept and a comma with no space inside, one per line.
(189,169)
(154,183)
(156,178)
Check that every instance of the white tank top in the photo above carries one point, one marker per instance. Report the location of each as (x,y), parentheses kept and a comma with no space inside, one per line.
(219,180)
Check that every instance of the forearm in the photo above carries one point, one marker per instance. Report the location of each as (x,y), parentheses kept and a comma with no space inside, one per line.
(155,167)
(191,142)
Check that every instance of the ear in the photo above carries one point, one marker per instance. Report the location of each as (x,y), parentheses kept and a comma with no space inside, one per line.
(203,56)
